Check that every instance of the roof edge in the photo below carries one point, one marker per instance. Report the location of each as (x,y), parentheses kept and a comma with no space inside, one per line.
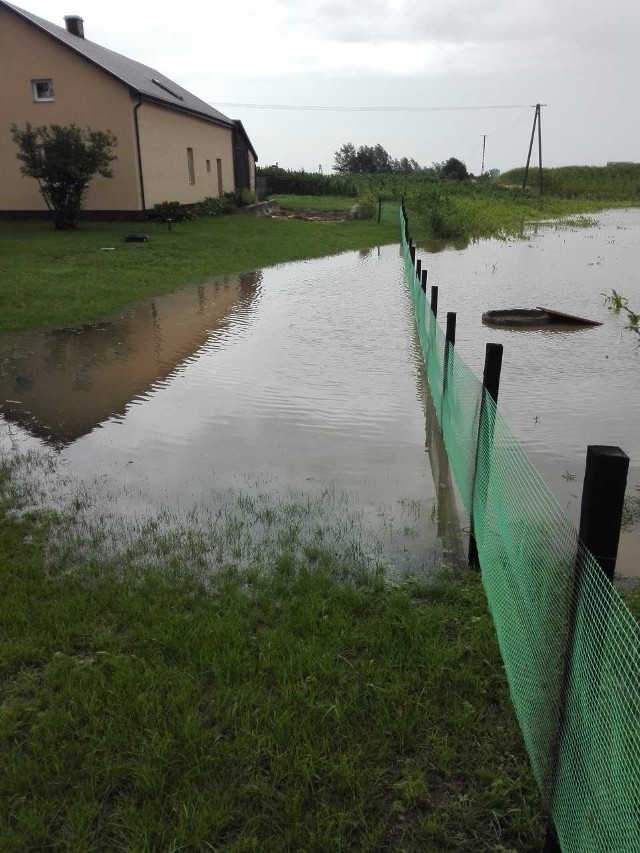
(19,13)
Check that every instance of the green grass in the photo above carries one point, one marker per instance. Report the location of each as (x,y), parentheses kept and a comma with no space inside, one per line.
(453,210)
(598,182)
(299,708)
(52,278)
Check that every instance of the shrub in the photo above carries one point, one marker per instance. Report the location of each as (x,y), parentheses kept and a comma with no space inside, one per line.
(211,206)
(241,197)
(367,206)
(64,159)
(291,182)
(172,210)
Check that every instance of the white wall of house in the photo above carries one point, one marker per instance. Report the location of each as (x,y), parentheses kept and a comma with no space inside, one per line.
(165,137)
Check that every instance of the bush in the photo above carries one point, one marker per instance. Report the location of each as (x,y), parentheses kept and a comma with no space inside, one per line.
(367,206)
(288,182)
(211,206)
(241,197)
(172,210)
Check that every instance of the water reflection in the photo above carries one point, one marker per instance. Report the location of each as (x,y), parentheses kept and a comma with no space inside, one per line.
(446,508)
(60,385)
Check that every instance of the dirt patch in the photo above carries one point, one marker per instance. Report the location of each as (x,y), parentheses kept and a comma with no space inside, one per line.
(308,215)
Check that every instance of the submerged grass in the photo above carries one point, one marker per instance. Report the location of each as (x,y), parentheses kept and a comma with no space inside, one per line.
(305,704)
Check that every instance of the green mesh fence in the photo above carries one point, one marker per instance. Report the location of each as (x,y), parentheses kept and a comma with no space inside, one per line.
(570,646)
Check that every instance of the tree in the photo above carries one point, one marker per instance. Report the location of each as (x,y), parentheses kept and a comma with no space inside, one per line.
(454,170)
(370,159)
(345,158)
(63,159)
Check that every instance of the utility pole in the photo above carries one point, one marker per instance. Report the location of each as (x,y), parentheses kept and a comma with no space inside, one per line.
(484,143)
(537,122)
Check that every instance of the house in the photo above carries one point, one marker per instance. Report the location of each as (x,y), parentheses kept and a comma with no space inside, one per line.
(171,144)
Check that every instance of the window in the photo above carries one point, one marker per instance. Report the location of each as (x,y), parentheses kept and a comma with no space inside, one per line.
(208,165)
(42,90)
(192,174)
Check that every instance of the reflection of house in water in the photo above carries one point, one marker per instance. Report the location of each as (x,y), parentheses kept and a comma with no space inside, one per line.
(60,385)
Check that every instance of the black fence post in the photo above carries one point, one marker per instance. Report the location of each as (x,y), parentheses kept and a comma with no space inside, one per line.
(490,384)
(605,481)
(423,281)
(412,252)
(379,207)
(434,299)
(419,270)
(449,342)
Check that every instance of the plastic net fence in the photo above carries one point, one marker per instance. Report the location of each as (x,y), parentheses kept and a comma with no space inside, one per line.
(570,645)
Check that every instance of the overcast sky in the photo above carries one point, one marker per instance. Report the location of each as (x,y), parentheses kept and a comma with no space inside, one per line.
(580,58)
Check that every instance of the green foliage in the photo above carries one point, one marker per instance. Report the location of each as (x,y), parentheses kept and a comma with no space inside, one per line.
(241,197)
(597,182)
(173,210)
(371,159)
(291,182)
(63,159)
(211,206)
(616,302)
(453,170)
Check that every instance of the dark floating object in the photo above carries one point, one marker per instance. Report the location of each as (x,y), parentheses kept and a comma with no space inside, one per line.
(561,317)
(532,318)
(136,238)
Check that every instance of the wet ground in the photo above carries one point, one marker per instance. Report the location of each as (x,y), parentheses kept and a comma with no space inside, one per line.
(307,378)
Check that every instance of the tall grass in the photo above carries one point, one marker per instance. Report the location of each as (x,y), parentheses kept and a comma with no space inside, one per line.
(598,182)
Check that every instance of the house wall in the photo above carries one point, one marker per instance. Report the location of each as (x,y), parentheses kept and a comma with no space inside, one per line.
(84,95)
(165,136)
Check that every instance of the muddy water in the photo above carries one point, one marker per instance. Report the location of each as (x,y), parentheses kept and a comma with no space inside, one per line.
(296,380)
(562,388)
(307,377)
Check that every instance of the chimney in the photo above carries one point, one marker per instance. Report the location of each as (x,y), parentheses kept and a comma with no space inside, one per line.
(75,25)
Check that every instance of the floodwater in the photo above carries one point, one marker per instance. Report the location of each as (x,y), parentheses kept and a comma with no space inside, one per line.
(562,388)
(306,379)
(297,381)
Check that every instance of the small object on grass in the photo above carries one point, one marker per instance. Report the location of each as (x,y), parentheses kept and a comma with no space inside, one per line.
(136,238)
(168,221)
(108,249)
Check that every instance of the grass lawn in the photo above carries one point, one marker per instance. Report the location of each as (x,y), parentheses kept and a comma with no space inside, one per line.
(51,278)
(299,709)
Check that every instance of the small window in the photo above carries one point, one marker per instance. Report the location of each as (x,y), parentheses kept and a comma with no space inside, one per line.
(192,174)
(42,90)
(208,165)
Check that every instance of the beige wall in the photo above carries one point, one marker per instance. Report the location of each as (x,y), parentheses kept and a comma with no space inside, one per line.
(83,94)
(165,135)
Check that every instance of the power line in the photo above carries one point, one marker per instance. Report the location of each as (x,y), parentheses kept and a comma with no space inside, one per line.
(412,109)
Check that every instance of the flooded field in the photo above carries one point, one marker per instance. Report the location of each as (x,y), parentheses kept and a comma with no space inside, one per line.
(304,382)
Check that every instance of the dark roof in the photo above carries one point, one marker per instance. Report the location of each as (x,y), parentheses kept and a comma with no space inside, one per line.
(148,82)
(240,129)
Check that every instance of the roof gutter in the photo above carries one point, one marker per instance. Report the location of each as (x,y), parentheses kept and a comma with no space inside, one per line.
(139,153)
